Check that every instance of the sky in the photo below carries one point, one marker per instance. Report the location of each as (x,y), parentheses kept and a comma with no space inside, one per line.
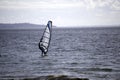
(61,12)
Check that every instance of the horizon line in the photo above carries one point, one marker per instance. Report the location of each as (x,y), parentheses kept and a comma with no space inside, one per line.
(106,25)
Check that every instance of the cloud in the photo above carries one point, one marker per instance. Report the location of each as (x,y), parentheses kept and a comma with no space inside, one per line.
(38,4)
(116,5)
(111,4)
(62,12)
(57,4)
(61,4)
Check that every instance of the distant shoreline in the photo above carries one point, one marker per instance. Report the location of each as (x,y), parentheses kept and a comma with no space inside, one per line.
(4,26)
(20,26)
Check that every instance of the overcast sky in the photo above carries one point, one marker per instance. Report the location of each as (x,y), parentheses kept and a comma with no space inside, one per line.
(61,12)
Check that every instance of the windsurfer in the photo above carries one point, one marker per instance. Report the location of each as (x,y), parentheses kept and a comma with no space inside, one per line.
(42,48)
(45,40)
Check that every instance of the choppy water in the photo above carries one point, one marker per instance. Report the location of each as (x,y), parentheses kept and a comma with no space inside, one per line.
(89,53)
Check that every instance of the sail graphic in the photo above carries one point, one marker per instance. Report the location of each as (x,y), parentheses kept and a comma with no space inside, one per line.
(46,37)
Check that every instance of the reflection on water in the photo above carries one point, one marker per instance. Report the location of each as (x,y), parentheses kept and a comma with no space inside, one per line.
(89,53)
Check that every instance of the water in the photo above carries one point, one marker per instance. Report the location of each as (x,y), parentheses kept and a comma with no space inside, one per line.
(86,53)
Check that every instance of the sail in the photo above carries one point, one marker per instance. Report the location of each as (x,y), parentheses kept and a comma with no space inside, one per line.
(46,37)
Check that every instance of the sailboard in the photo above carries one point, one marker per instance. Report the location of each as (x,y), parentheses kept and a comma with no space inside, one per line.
(46,38)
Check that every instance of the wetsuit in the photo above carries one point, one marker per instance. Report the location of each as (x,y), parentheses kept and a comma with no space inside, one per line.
(42,48)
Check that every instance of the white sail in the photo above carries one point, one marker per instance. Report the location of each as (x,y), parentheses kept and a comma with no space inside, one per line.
(45,40)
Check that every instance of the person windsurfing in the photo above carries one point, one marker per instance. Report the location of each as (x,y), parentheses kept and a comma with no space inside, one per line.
(45,40)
